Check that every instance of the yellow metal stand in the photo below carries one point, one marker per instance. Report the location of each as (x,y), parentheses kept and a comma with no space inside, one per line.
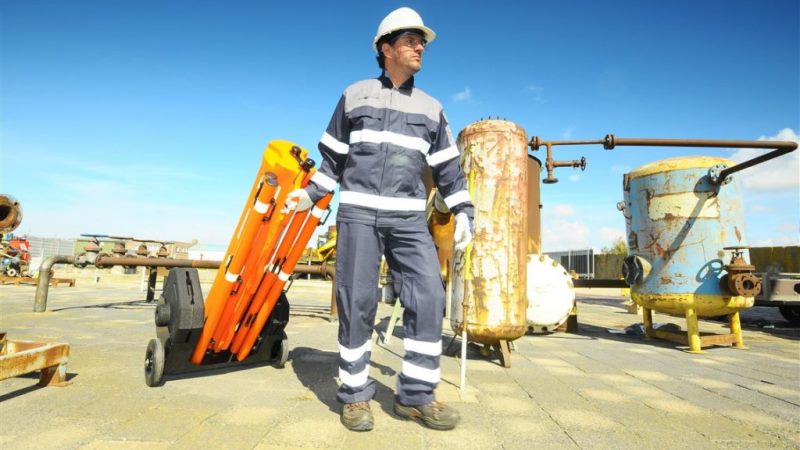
(692,337)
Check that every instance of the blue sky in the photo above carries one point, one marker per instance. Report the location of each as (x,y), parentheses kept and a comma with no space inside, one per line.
(148,118)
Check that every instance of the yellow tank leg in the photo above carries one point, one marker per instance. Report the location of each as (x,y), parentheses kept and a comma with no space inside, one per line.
(693,331)
(647,319)
(736,330)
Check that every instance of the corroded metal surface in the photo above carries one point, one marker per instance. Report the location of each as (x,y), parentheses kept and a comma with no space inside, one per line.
(10,213)
(22,357)
(534,205)
(491,276)
(679,222)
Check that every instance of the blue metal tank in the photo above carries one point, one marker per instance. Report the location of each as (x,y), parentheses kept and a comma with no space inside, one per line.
(678,224)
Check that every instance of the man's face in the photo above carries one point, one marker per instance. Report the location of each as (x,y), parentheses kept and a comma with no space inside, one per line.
(406,53)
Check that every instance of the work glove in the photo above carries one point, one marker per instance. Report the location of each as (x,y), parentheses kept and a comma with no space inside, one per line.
(463,233)
(297,199)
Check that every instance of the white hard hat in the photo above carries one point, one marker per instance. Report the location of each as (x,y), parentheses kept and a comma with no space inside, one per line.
(400,19)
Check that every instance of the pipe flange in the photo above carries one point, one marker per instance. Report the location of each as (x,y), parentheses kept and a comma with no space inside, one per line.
(744,284)
(714,173)
(608,142)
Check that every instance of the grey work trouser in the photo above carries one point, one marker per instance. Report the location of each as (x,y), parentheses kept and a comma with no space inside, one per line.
(415,271)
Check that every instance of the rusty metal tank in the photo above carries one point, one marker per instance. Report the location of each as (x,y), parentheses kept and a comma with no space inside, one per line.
(678,226)
(491,275)
(534,208)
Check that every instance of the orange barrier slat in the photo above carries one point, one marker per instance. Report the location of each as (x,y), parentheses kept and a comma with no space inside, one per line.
(259,257)
(286,270)
(289,237)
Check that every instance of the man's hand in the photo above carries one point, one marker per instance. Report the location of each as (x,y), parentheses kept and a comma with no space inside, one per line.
(463,233)
(297,199)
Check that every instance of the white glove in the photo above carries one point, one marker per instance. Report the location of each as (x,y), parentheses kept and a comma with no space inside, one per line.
(297,199)
(463,233)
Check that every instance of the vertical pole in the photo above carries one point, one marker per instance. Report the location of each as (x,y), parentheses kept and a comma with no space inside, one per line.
(693,331)
(647,319)
(151,284)
(736,330)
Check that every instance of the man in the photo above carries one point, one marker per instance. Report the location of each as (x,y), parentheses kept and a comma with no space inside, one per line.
(381,135)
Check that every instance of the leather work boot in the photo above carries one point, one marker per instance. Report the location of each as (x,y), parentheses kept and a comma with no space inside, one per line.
(434,415)
(357,416)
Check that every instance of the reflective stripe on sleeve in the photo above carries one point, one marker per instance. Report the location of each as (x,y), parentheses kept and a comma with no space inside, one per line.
(442,156)
(324,180)
(458,197)
(333,144)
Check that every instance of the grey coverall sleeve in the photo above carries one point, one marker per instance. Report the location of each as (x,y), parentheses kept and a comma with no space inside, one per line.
(333,146)
(447,173)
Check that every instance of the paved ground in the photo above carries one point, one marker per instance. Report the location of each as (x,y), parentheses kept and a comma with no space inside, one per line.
(593,389)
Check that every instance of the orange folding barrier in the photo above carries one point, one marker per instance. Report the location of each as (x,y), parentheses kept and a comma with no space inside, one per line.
(264,239)
(282,269)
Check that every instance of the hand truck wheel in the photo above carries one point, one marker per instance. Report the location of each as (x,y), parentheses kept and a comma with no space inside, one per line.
(154,363)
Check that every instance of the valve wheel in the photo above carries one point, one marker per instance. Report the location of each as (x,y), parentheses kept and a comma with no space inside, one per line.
(154,363)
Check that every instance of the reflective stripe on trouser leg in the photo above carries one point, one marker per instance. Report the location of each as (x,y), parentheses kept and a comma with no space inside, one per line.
(415,268)
(358,250)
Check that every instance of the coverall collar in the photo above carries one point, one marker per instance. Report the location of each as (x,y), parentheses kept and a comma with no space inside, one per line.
(387,82)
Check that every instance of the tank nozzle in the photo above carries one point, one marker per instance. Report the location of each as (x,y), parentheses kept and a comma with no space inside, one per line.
(635,269)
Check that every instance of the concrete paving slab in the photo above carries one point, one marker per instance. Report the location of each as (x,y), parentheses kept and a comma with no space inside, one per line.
(593,389)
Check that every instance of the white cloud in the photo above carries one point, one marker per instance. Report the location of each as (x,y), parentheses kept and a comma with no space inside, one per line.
(776,241)
(463,96)
(779,174)
(574,177)
(611,234)
(560,235)
(760,209)
(567,134)
(535,92)
(563,210)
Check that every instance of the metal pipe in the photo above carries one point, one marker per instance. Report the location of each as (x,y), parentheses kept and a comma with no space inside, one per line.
(611,141)
(329,272)
(757,160)
(105,261)
(43,286)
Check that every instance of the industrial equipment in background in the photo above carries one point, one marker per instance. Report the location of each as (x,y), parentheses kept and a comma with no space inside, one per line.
(324,252)
(682,215)
(488,285)
(23,357)
(14,255)
(242,319)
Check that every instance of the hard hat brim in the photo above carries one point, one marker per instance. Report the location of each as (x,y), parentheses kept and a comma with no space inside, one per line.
(427,33)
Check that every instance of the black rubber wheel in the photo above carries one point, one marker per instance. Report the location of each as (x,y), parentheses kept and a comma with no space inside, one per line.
(154,363)
(790,313)
(282,353)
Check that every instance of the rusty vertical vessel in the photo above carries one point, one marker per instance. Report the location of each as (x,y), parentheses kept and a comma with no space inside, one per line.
(679,226)
(490,277)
